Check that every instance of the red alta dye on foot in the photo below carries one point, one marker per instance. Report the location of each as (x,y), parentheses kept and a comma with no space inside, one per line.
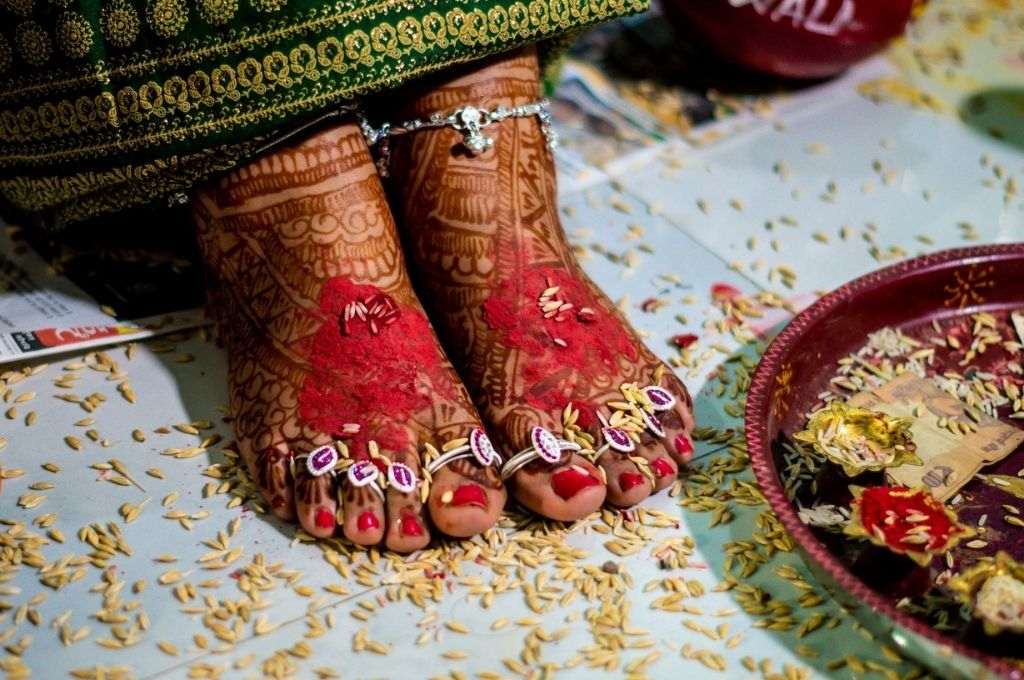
(570,481)
(662,468)
(684,447)
(470,494)
(628,480)
(583,339)
(410,526)
(369,367)
(368,520)
(324,519)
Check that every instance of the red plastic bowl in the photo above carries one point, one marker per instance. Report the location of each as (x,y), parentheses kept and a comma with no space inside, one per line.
(796,368)
(791,38)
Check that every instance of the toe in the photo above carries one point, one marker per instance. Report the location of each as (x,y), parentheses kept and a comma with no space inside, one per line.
(678,421)
(627,484)
(315,503)
(466,498)
(678,424)
(273,477)
(363,509)
(567,492)
(659,462)
(407,527)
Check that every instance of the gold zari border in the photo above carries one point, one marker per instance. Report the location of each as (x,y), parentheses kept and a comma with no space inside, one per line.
(266,88)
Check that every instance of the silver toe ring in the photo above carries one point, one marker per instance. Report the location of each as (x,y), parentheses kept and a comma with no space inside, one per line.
(546,446)
(478,447)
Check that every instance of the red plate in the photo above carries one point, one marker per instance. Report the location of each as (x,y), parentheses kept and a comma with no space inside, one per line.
(797,367)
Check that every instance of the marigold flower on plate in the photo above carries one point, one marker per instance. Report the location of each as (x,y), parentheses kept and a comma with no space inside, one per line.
(907,521)
(994,591)
(859,439)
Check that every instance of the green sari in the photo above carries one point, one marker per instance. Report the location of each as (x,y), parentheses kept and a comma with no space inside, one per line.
(110,104)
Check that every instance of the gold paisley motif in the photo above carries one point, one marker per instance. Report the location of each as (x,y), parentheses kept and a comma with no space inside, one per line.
(120,23)
(267,5)
(167,18)
(33,43)
(217,12)
(74,35)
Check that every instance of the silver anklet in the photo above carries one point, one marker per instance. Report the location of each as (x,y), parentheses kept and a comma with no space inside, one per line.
(468,120)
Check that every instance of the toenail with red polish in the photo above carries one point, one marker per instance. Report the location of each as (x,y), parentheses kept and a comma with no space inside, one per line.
(410,526)
(368,520)
(570,481)
(662,467)
(684,447)
(324,518)
(470,494)
(627,480)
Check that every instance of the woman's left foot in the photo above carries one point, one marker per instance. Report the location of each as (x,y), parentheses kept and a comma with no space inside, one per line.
(537,343)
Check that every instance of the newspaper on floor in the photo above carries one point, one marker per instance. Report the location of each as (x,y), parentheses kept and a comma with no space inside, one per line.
(45,312)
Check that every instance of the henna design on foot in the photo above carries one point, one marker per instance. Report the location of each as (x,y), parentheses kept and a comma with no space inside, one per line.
(327,340)
(529,331)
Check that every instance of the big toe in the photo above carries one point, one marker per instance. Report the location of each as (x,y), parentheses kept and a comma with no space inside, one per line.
(566,492)
(466,499)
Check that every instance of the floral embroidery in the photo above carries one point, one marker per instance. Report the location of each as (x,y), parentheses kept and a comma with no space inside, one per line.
(217,12)
(211,90)
(20,7)
(33,43)
(267,5)
(74,35)
(167,18)
(120,23)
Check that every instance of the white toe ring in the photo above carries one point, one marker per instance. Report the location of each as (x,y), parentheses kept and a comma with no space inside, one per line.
(545,446)
(479,447)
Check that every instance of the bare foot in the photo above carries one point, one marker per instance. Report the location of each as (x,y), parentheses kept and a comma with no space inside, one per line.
(537,343)
(326,341)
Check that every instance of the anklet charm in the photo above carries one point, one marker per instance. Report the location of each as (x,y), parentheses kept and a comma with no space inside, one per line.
(469,121)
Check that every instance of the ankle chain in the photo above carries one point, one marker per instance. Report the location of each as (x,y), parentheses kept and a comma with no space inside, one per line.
(467,120)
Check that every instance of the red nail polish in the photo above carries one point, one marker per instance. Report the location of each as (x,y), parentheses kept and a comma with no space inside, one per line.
(324,518)
(368,520)
(570,481)
(662,467)
(277,502)
(684,447)
(470,494)
(410,526)
(627,480)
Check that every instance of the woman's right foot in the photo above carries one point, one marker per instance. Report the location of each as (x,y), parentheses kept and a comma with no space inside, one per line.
(326,341)
(537,343)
